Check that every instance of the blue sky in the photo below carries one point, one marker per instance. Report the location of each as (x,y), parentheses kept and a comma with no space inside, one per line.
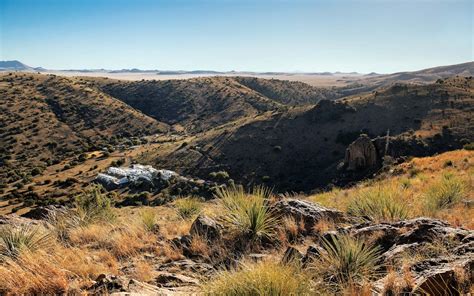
(260,35)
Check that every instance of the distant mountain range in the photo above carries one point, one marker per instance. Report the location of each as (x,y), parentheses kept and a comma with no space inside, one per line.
(375,79)
(19,66)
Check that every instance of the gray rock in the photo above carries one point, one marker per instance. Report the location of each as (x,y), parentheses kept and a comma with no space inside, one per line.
(308,212)
(206,227)
(361,154)
(167,279)
(120,285)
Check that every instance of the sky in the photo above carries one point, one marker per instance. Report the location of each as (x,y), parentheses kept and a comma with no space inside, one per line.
(366,36)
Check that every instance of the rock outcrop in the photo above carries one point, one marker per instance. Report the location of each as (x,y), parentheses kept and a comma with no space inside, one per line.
(361,154)
(448,272)
(308,212)
(206,227)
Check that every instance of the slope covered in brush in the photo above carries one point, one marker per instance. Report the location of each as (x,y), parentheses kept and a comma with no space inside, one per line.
(46,118)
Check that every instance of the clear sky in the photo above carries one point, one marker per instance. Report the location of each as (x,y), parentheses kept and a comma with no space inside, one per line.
(255,35)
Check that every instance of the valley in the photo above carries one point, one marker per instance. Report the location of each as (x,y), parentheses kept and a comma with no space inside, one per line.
(340,158)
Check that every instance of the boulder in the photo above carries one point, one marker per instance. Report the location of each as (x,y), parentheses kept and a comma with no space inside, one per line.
(361,154)
(308,212)
(444,276)
(206,227)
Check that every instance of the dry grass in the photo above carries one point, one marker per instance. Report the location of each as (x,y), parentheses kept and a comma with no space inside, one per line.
(143,271)
(413,189)
(188,207)
(380,204)
(248,214)
(32,274)
(263,278)
(200,246)
(346,263)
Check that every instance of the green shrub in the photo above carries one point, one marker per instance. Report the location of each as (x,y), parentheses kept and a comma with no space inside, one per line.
(16,239)
(248,213)
(345,261)
(379,204)
(469,146)
(92,206)
(263,278)
(447,192)
(188,207)
(220,176)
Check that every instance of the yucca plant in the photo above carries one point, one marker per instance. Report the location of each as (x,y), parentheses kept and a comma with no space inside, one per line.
(379,204)
(188,207)
(16,239)
(447,192)
(248,213)
(263,278)
(93,206)
(345,262)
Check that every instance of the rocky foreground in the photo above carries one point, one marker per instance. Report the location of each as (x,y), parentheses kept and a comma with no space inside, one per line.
(421,255)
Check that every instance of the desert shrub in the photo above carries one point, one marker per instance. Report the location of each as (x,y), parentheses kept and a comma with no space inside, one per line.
(188,207)
(220,176)
(93,206)
(16,239)
(345,261)
(444,194)
(469,146)
(263,278)
(248,213)
(35,171)
(378,204)
(148,219)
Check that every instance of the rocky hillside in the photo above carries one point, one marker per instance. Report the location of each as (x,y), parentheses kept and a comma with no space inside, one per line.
(45,118)
(408,232)
(373,81)
(202,103)
(301,149)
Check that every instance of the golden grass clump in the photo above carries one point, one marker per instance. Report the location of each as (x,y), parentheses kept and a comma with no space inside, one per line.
(380,204)
(248,214)
(149,221)
(445,193)
(188,207)
(263,278)
(345,262)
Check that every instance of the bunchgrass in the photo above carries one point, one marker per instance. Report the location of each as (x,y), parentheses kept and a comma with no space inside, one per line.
(444,194)
(379,204)
(188,207)
(148,219)
(345,262)
(16,239)
(263,278)
(248,213)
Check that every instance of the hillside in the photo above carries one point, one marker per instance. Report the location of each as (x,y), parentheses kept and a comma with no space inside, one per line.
(292,93)
(45,119)
(300,149)
(198,247)
(202,103)
(425,76)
